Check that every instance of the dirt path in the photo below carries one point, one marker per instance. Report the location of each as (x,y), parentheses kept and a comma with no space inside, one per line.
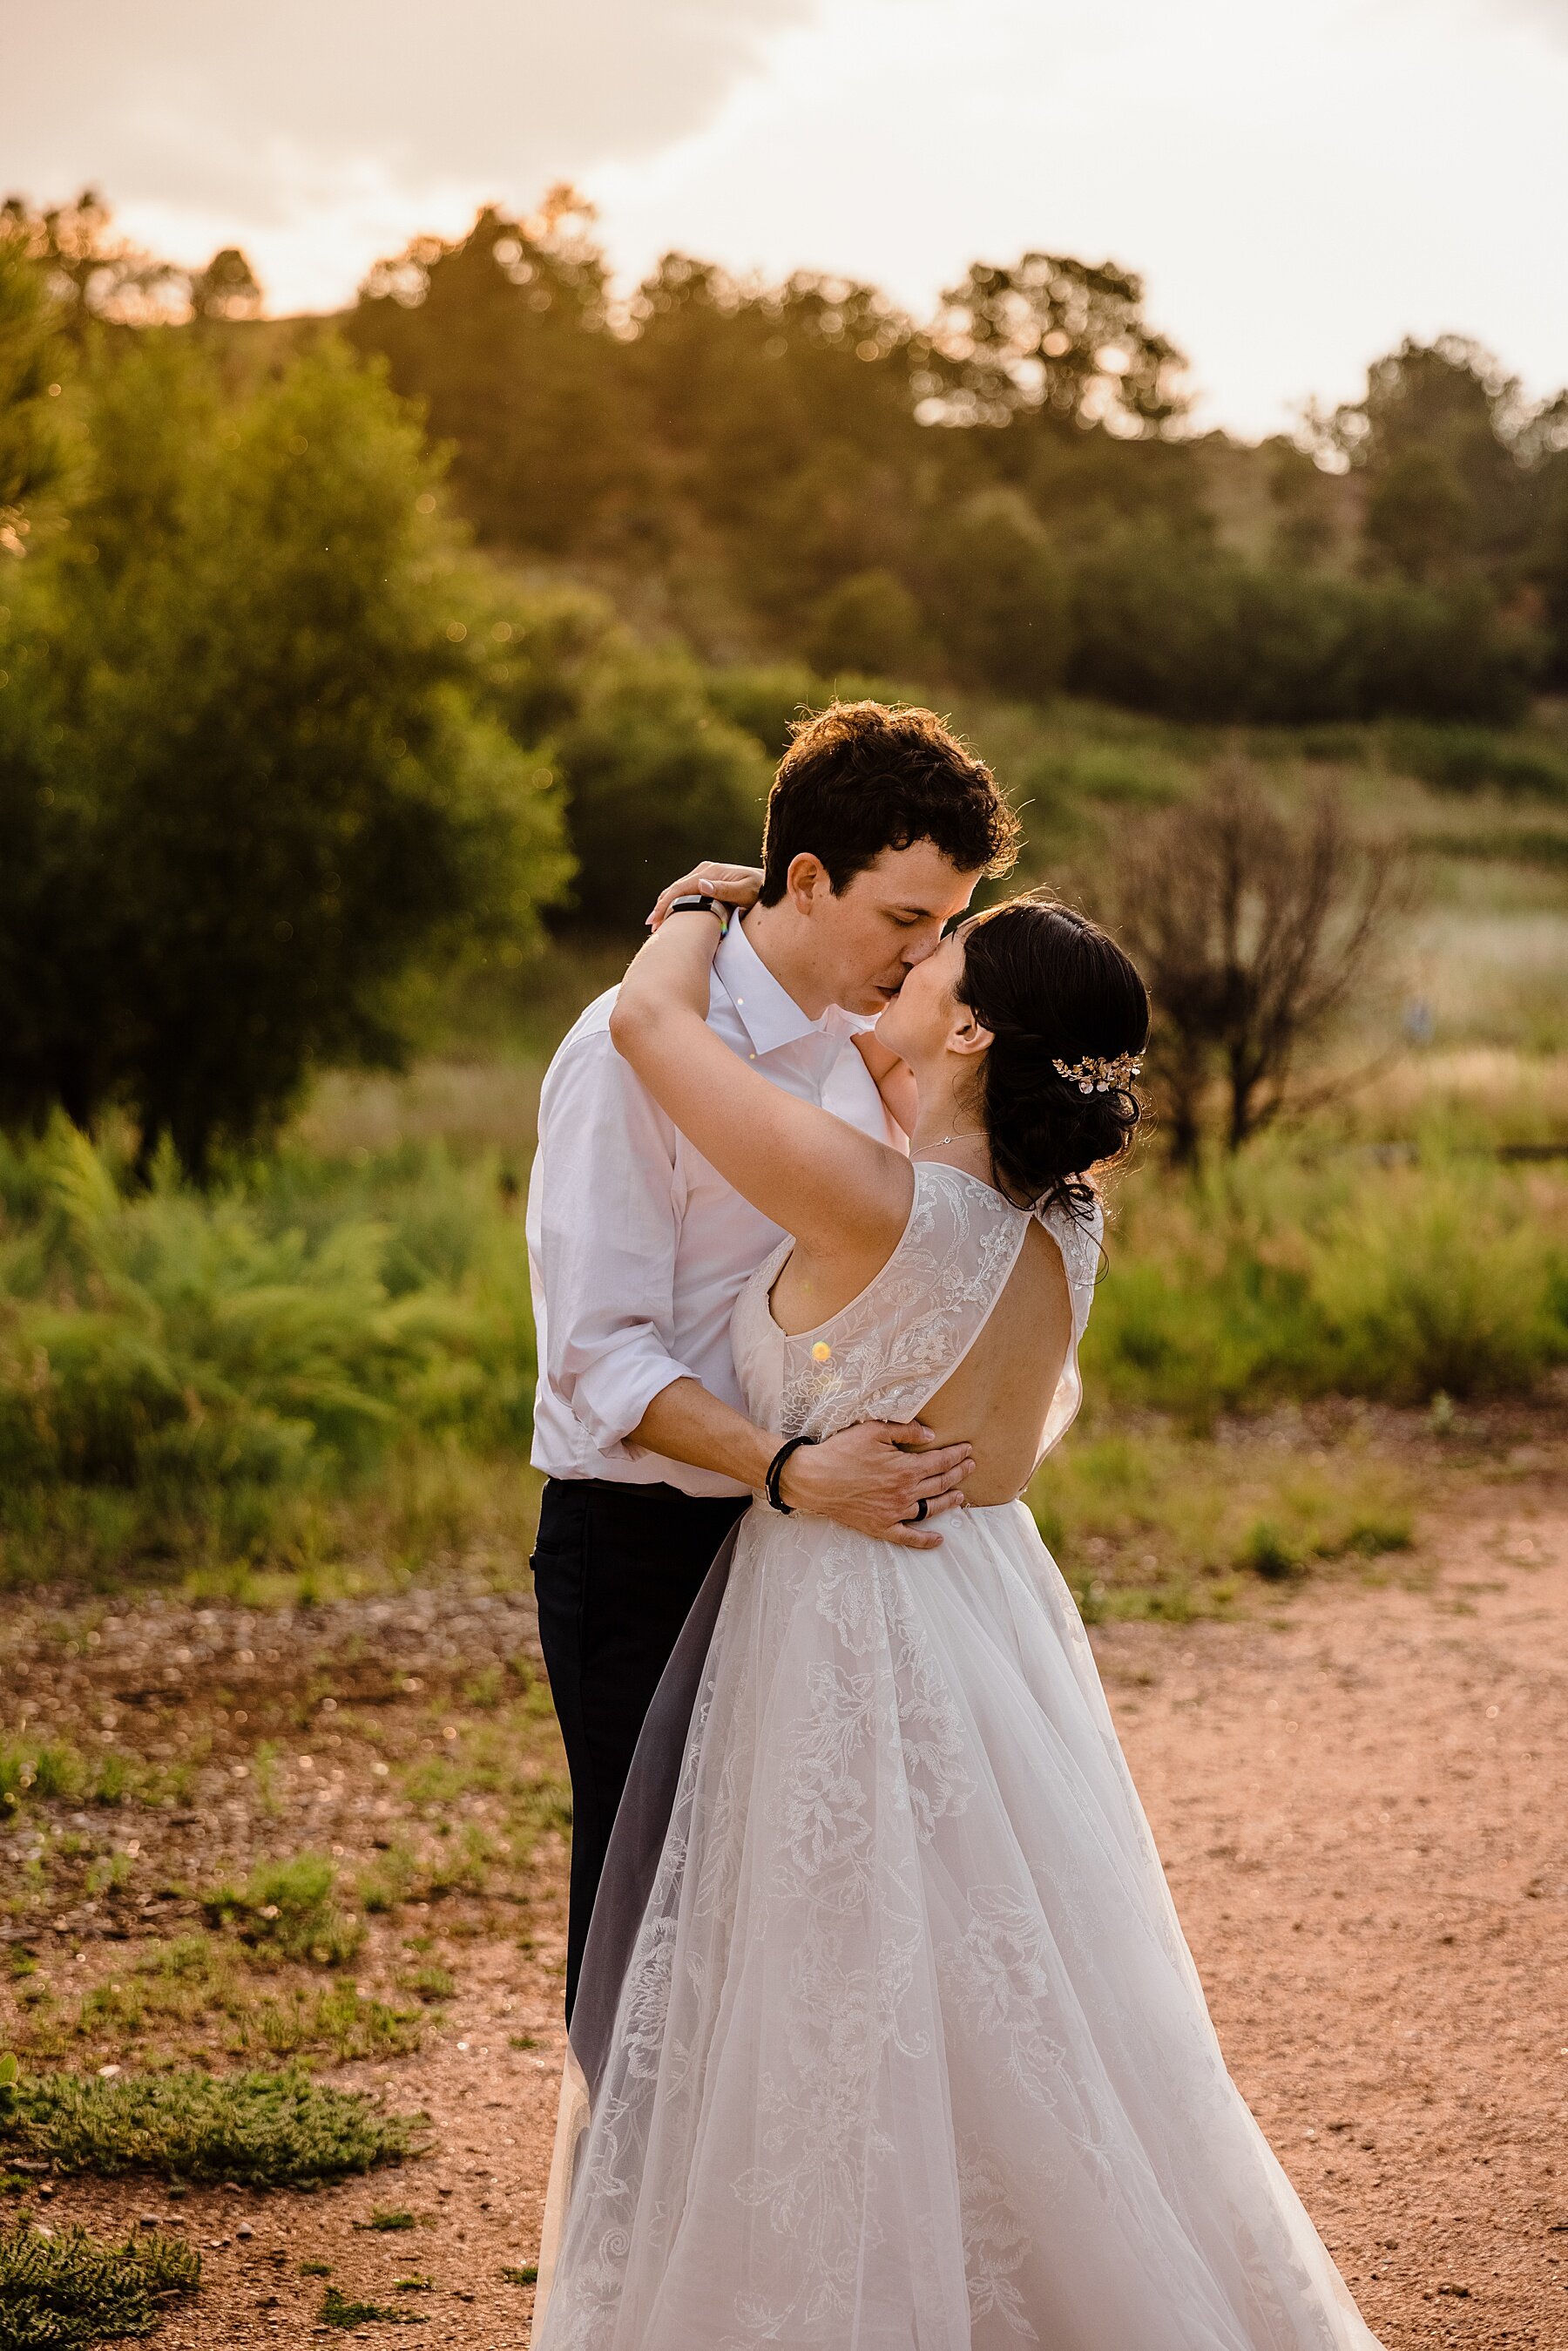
(1363,1818)
(1360,1797)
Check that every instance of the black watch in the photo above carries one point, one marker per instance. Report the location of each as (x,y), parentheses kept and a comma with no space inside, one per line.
(697,902)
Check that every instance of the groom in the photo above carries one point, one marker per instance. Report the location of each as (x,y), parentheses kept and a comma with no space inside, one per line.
(879,825)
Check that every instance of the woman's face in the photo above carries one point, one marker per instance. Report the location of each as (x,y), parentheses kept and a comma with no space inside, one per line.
(920,1020)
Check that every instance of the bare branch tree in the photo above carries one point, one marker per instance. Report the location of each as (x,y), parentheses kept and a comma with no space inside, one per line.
(1253,928)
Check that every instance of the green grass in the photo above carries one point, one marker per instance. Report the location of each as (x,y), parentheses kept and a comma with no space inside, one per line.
(197,1990)
(55,1770)
(266,2130)
(1275,1277)
(202,1374)
(429,1982)
(288,1909)
(315,1380)
(337,2311)
(1144,1520)
(68,2287)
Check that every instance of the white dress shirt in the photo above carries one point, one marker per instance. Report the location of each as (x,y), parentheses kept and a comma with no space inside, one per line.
(637,1246)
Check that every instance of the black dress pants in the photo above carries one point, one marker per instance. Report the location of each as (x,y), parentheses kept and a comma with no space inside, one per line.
(616,1569)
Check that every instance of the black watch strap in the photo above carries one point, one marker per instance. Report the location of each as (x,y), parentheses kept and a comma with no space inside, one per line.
(698,901)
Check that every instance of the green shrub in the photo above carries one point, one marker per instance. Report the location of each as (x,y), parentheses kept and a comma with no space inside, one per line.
(766,700)
(267,2130)
(1269,1554)
(1162,622)
(1439,1281)
(170,1359)
(869,620)
(655,778)
(1001,595)
(67,2287)
(1472,759)
(1275,1277)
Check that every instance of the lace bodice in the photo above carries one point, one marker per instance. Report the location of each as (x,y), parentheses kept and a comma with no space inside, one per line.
(885,1355)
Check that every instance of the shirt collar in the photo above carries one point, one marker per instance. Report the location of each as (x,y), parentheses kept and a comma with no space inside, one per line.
(766,1011)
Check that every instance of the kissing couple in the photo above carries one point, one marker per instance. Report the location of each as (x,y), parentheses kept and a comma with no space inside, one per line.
(884,2036)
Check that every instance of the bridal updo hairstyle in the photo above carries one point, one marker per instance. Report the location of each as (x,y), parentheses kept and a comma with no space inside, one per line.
(1051,987)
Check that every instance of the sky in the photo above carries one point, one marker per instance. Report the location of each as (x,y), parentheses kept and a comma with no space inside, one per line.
(1300,183)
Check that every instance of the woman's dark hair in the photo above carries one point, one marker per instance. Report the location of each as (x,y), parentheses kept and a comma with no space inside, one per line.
(1051,987)
(859,777)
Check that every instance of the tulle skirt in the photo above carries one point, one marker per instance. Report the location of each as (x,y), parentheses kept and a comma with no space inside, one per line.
(908,2052)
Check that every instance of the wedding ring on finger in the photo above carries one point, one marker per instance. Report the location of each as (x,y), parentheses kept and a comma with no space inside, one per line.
(922,1511)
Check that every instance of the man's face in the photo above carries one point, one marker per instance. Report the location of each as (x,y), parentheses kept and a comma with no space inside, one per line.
(883,922)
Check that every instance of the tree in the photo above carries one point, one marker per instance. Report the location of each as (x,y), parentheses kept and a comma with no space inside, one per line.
(502,338)
(1251,928)
(244,787)
(31,359)
(1439,438)
(656,779)
(868,624)
(1196,633)
(227,288)
(1054,335)
(999,595)
(100,281)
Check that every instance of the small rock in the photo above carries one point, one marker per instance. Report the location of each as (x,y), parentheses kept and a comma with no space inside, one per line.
(245,2230)
(147,2219)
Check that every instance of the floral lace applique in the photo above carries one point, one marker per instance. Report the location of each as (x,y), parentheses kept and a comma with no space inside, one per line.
(995,2240)
(999,1974)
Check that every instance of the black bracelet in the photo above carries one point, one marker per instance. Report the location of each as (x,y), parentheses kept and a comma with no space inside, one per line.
(776,1471)
(701,901)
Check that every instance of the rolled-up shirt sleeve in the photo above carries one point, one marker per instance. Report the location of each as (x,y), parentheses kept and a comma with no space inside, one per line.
(604,1227)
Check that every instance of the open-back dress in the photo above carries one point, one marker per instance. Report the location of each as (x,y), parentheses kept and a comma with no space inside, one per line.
(887,2033)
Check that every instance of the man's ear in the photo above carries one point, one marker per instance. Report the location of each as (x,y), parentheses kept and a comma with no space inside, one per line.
(807,881)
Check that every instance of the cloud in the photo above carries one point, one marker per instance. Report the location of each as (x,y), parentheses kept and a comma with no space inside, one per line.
(253,112)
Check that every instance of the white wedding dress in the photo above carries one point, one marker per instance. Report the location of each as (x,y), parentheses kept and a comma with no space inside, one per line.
(907,2052)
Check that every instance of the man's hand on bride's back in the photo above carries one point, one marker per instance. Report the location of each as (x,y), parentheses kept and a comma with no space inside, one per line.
(875,1476)
(737,885)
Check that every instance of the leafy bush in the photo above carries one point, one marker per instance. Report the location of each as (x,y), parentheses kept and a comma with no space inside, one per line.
(1163,623)
(869,620)
(182,1349)
(67,2287)
(655,778)
(1471,758)
(1001,596)
(1279,1279)
(267,2130)
(766,700)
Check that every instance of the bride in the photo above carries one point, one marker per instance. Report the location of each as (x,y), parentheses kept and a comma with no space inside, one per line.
(887,2032)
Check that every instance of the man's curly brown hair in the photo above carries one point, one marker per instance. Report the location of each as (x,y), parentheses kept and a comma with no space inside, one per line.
(859,777)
